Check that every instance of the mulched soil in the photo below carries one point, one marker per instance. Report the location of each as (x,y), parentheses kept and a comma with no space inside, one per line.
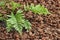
(43,27)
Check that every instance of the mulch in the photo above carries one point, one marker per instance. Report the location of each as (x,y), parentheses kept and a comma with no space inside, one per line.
(43,27)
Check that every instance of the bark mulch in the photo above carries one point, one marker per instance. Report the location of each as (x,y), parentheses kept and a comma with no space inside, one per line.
(43,27)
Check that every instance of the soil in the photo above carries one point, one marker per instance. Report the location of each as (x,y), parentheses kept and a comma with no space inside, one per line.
(43,27)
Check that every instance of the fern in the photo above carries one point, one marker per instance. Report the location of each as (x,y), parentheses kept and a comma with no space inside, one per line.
(38,9)
(2,4)
(26,7)
(18,22)
(14,5)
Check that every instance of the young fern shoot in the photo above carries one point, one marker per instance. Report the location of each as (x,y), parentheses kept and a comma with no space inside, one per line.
(14,5)
(38,9)
(17,22)
(2,4)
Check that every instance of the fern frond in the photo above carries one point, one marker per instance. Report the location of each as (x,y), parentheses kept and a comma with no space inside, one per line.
(18,22)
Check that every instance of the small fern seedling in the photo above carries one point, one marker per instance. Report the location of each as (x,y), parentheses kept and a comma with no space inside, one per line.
(2,4)
(37,9)
(14,5)
(17,22)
